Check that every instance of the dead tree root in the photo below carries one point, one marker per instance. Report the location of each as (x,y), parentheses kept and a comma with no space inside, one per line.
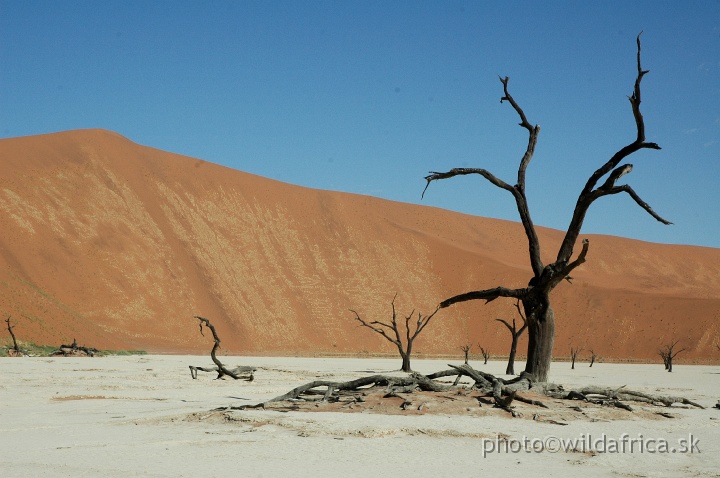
(500,393)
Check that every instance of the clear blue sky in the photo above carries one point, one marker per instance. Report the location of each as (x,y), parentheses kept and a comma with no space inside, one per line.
(367,97)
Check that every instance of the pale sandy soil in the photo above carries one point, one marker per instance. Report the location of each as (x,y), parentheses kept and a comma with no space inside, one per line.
(145,416)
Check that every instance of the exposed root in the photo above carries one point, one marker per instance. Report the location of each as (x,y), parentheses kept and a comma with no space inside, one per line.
(496,391)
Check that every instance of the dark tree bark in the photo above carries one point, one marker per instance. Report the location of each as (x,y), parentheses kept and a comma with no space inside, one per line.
(503,392)
(485,354)
(574,351)
(16,351)
(237,373)
(593,356)
(384,329)
(75,350)
(668,354)
(515,333)
(535,297)
(466,351)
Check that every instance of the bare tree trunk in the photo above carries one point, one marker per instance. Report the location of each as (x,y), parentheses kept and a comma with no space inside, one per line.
(541,338)
(466,351)
(16,351)
(515,333)
(405,362)
(405,354)
(574,351)
(12,334)
(485,355)
(510,370)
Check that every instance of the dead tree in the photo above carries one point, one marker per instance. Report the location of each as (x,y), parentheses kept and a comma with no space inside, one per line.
(668,354)
(593,356)
(238,373)
(663,354)
(16,351)
(485,355)
(574,351)
(516,333)
(466,351)
(385,329)
(535,296)
(74,350)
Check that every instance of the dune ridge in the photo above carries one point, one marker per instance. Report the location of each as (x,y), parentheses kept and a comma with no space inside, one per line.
(118,245)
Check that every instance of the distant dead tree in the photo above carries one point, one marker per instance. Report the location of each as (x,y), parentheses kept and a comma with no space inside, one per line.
(516,333)
(535,293)
(238,373)
(592,357)
(74,350)
(466,351)
(485,354)
(574,351)
(16,351)
(668,354)
(385,329)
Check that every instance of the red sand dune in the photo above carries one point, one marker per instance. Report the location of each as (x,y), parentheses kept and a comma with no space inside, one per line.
(118,245)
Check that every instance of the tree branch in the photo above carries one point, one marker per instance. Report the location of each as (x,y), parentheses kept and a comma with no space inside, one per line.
(635,98)
(376,329)
(627,189)
(522,316)
(580,260)
(510,327)
(422,323)
(487,295)
(518,190)
(589,194)
(435,176)
(532,138)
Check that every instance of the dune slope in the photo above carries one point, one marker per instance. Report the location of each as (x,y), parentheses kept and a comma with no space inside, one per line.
(118,245)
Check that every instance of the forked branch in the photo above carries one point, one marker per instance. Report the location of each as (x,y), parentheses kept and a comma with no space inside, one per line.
(517,190)
(590,193)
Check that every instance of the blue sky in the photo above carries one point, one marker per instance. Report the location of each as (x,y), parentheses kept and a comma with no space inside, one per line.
(367,97)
